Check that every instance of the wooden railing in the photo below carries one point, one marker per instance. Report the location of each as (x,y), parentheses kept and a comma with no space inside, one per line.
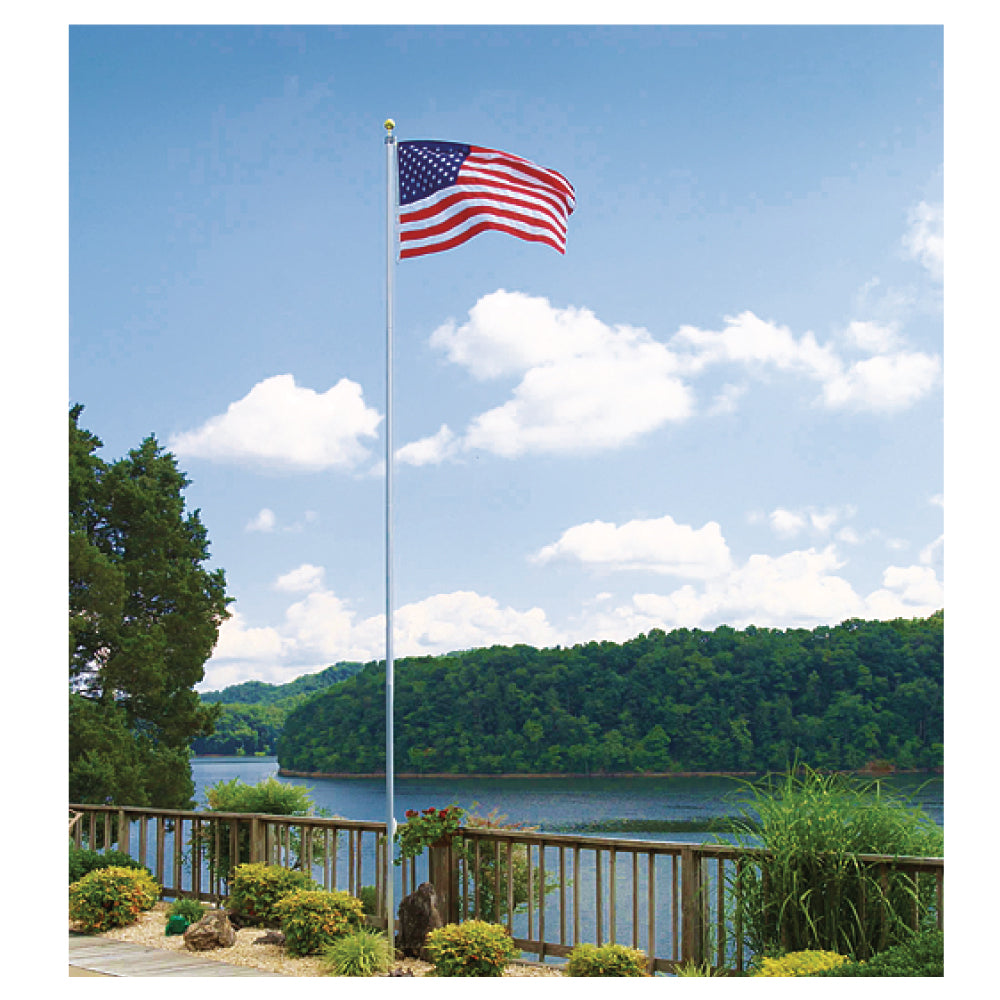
(672,900)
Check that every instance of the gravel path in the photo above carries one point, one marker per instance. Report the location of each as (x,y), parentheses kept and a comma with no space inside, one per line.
(149,930)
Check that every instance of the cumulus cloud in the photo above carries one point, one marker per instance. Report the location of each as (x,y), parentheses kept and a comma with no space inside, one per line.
(304,577)
(659,545)
(286,427)
(789,523)
(924,238)
(265,521)
(584,385)
(322,628)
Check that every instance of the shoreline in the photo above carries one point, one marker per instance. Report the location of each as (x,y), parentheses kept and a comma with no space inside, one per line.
(510,776)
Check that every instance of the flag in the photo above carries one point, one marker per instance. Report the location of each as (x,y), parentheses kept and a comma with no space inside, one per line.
(450,192)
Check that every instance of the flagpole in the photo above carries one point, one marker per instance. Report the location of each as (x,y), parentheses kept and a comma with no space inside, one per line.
(390,823)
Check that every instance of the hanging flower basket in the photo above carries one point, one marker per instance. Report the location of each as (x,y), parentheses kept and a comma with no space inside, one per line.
(432,827)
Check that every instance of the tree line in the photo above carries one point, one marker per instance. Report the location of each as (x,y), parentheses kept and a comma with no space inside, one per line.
(836,697)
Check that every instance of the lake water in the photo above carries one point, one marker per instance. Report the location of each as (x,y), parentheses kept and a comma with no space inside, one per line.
(638,808)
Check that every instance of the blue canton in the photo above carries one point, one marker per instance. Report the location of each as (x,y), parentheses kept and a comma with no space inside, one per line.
(426,167)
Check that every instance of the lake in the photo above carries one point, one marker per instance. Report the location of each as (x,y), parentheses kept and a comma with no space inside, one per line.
(668,809)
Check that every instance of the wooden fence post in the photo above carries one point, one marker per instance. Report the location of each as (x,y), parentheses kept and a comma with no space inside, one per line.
(694,919)
(442,872)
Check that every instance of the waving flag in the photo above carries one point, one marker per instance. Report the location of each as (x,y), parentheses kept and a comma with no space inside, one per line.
(449,192)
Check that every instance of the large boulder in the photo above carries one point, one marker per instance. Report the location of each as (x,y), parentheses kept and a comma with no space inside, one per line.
(213,931)
(418,916)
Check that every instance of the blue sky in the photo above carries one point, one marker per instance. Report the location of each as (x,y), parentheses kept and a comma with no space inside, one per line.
(723,405)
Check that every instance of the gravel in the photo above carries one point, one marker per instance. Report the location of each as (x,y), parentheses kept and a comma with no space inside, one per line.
(149,930)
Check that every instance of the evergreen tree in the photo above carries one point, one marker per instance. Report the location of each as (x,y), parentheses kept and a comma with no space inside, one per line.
(144,615)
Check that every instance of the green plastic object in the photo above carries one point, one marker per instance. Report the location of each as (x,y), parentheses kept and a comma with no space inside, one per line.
(177,924)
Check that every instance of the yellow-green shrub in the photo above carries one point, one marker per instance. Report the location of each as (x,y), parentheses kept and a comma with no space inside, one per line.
(255,890)
(475,948)
(312,919)
(606,960)
(111,897)
(800,963)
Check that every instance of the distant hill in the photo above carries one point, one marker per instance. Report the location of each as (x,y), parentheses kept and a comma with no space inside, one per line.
(254,712)
(859,694)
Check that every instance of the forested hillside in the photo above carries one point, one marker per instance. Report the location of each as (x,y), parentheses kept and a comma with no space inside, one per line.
(837,697)
(254,712)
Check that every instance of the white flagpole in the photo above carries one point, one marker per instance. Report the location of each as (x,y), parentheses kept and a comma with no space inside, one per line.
(390,825)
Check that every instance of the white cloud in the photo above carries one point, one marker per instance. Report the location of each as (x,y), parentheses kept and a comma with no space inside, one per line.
(264,521)
(322,628)
(867,335)
(429,450)
(883,383)
(659,545)
(924,239)
(282,426)
(788,523)
(302,578)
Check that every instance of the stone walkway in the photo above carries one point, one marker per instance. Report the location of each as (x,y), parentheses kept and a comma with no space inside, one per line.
(97,956)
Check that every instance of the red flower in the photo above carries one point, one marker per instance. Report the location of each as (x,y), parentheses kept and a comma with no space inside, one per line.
(430,810)
(411,812)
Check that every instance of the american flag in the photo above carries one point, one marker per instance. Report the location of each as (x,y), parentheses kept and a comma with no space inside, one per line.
(449,192)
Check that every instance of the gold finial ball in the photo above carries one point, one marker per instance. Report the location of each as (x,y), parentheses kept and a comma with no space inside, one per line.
(389,124)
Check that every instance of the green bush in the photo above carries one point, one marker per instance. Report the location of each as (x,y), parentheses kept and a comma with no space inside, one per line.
(256,889)
(190,909)
(369,899)
(83,861)
(922,956)
(704,970)
(606,960)
(799,963)
(810,892)
(475,948)
(111,897)
(312,920)
(270,797)
(361,953)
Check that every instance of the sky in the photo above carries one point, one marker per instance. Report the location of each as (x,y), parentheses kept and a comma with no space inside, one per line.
(723,405)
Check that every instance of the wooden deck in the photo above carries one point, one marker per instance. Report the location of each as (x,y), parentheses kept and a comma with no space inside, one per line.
(103,957)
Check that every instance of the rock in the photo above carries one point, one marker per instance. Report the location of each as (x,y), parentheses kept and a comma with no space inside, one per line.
(418,916)
(213,931)
(271,937)
(400,972)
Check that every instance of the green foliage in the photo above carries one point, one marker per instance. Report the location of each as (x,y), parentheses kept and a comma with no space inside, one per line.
(255,891)
(270,797)
(923,956)
(703,971)
(606,960)
(361,953)
(312,920)
(111,897)
(799,963)
(511,868)
(368,895)
(723,700)
(474,948)
(82,861)
(188,908)
(144,615)
(811,892)
(176,924)
(427,827)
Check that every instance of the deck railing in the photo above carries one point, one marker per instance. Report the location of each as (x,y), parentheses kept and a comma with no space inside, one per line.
(672,900)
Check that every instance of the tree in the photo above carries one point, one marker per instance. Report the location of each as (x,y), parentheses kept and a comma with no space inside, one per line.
(144,615)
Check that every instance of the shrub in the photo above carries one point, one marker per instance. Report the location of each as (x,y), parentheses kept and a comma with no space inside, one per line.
(256,889)
(799,963)
(270,797)
(190,909)
(921,956)
(811,892)
(475,948)
(606,960)
(111,897)
(369,899)
(83,861)
(693,969)
(361,953)
(312,920)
